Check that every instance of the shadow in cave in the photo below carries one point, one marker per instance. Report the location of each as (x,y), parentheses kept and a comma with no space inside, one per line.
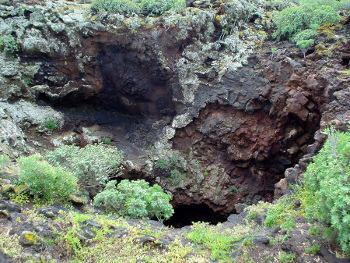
(185,215)
(129,100)
(134,86)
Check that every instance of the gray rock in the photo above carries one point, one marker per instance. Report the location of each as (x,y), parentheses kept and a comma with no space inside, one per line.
(8,67)
(4,214)
(235,219)
(146,240)
(35,43)
(119,232)
(291,175)
(9,206)
(4,2)
(240,207)
(28,238)
(24,112)
(261,239)
(4,258)
(50,212)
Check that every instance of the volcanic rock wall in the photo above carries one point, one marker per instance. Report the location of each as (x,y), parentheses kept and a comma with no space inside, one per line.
(238,114)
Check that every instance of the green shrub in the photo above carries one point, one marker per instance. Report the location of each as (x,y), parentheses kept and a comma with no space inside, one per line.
(136,199)
(299,23)
(46,182)
(8,44)
(313,249)
(50,124)
(92,165)
(146,7)
(284,257)
(326,191)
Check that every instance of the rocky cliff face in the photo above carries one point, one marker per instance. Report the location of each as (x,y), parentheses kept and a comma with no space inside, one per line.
(239,115)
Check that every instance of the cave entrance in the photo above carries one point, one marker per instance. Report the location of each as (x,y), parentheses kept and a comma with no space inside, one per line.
(134,83)
(185,215)
(124,98)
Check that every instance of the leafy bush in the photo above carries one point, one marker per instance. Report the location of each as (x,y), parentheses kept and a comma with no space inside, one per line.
(135,199)
(326,191)
(299,23)
(46,182)
(146,7)
(92,165)
(8,44)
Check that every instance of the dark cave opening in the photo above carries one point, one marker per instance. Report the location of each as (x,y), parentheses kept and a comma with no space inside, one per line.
(119,79)
(134,85)
(125,96)
(185,215)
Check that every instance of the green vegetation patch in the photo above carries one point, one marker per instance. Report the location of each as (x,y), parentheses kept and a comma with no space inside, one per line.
(92,165)
(173,167)
(136,199)
(285,257)
(8,44)
(313,249)
(326,191)
(219,243)
(50,124)
(346,72)
(145,7)
(46,182)
(299,23)
(114,248)
(4,160)
(10,245)
(282,213)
